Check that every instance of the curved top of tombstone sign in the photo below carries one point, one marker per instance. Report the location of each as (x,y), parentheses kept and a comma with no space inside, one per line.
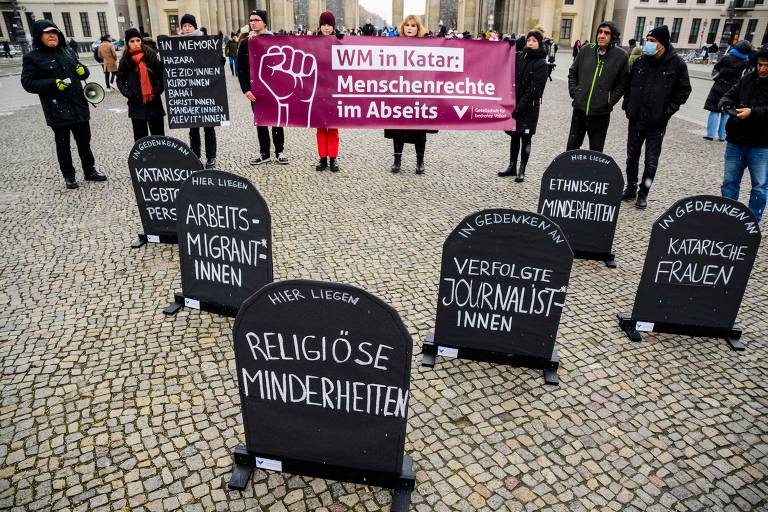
(324,375)
(224,180)
(704,210)
(164,148)
(586,160)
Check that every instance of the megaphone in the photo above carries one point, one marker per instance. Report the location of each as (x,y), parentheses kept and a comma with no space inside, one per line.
(94,93)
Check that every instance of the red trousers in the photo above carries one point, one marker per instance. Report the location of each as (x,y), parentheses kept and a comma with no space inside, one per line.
(328,142)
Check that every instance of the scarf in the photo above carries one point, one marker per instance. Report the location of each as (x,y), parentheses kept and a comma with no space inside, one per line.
(146,85)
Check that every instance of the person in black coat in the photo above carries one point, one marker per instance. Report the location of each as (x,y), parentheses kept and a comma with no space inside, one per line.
(657,86)
(531,73)
(727,71)
(52,71)
(140,79)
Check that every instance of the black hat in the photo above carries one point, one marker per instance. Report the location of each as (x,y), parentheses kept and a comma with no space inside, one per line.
(261,14)
(743,46)
(131,33)
(188,18)
(661,34)
(538,35)
(762,53)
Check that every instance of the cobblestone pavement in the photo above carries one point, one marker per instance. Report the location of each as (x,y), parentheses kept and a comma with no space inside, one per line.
(105,404)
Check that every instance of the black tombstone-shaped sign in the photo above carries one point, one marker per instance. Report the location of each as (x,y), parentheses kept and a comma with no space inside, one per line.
(696,270)
(503,281)
(158,166)
(195,84)
(581,191)
(324,375)
(225,242)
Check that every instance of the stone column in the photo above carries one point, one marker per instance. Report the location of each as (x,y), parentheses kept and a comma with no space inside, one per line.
(351,14)
(432,15)
(133,15)
(397,12)
(227,16)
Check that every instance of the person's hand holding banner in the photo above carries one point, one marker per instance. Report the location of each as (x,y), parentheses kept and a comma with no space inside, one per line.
(291,76)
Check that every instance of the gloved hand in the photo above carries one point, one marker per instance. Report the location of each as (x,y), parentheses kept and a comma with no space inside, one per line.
(80,70)
(62,85)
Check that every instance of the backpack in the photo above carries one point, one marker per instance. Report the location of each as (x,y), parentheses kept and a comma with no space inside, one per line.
(97,57)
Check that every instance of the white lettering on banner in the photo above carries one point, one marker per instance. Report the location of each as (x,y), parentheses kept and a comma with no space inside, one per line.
(397,58)
(402,87)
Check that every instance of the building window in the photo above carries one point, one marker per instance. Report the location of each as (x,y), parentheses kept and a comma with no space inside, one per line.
(85,22)
(173,24)
(681,1)
(68,31)
(30,20)
(677,23)
(720,2)
(103,23)
(658,22)
(48,16)
(765,36)
(639,28)
(701,1)
(565,28)
(693,37)
(568,2)
(713,28)
(751,27)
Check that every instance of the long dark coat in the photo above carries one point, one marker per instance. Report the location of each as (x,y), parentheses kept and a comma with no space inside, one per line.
(729,70)
(129,83)
(531,73)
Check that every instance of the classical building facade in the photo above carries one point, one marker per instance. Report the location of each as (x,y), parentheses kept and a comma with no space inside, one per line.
(82,20)
(694,23)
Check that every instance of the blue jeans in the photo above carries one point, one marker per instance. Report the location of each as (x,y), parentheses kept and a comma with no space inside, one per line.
(715,119)
(233,68)
(737,158)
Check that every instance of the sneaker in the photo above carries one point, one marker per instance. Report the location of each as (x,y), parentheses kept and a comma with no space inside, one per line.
(95,176)
(282,159)
(708,138)
(261,159)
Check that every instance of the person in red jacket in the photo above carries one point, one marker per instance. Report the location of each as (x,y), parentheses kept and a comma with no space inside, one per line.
(327,138)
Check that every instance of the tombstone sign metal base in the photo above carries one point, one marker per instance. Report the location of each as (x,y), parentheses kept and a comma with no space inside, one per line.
(629,326)
(402,483)
(430,350)
(180,301)
(608,258)
(142,239)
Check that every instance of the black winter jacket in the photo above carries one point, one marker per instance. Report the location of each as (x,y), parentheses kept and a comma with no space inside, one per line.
(656,89)
(244,63)
(596,83)
(129,83)
(42,66)
(751,91)
(531,73)
(729,70)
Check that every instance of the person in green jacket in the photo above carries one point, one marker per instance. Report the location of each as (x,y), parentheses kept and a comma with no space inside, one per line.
(596,83)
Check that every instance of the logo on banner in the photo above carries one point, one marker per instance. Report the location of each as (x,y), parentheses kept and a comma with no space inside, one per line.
(290,75)
(460,111)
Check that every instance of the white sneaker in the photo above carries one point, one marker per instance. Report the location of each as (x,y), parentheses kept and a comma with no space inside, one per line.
(282,159)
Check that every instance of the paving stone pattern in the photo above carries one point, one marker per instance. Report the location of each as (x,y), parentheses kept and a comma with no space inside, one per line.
(106,404)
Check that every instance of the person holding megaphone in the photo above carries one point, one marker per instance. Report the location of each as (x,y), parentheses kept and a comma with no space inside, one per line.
(140,79)
(51,70)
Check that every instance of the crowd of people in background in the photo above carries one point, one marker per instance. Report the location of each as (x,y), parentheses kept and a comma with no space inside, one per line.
(649,79)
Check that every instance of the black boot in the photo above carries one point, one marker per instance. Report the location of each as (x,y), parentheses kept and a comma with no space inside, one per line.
(641,202)
(629,193)
(396,164)
(511,170)
(70,183)
(420,164)
(520,175)
(334,164)
(94,175)
(323,165)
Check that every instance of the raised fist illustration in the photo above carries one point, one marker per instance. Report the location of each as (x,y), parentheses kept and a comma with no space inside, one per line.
(291,76)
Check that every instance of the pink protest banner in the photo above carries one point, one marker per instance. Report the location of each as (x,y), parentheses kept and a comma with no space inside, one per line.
(382,82)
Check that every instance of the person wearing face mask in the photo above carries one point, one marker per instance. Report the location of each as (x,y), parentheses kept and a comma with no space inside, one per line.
(531,73)
(596,83)
(257,23)
(727,72)
(189,29)
(747,135)
(51,70)
(657,86)
(410,27)
(140,80)
(328,138)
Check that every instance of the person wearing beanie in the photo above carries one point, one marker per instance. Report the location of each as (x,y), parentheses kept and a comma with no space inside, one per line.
(327,138)
(657,86)
(596,84)
(140,80)
(411,26)
(531,73)
(727,72)
(189,29)
(257,23)
(53,72)
(747,135)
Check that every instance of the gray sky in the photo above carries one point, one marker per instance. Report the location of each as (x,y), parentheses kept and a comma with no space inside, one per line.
(384,7)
